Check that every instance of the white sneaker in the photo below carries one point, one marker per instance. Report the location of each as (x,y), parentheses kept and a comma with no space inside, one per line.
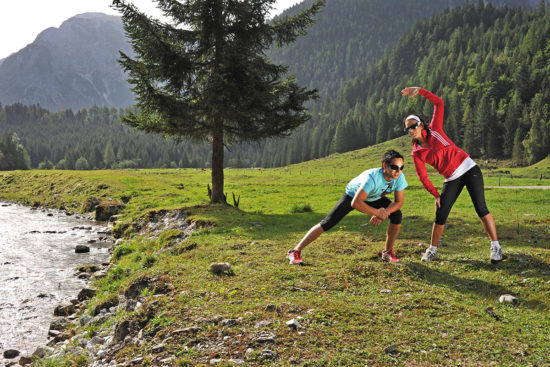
(496,254)
(429,255)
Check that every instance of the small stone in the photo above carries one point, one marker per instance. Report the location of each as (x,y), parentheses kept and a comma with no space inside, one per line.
(268,354)
(262,324)
(86,293)
(85,320)
(236,361)
(187,330)
(215,360)
(11,353)
(65,309)
(230,322)
(221,268)
(25,360)
(385,291)
(392,349)
(508,298)
(294,324)
(81,249)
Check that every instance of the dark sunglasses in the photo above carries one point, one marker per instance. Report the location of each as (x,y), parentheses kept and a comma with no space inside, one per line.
(396,167)
(413,127)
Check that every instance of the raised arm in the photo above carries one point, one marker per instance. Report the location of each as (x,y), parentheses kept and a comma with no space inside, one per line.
(437,118)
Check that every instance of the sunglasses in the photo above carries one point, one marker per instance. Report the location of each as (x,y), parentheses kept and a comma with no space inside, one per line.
(396,167)
(413,127)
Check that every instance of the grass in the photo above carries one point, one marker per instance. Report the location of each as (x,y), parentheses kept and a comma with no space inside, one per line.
(354,309)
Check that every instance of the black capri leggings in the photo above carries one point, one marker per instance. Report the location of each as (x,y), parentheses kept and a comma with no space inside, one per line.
(473,180)
(343,207)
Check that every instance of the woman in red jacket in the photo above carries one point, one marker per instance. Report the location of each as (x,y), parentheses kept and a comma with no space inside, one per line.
(432,146)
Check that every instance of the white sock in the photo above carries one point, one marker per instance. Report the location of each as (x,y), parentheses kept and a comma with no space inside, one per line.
(495,243)
(433,249)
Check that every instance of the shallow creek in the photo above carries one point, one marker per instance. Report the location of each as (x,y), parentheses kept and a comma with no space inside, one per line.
(37,267)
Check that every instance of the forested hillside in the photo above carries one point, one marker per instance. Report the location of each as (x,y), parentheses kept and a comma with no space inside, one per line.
(350,34)
(491,66)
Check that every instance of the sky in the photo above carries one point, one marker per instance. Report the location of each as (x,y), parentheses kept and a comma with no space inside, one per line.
(22,20)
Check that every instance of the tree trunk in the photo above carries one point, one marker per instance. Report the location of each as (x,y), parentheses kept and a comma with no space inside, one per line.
(217,166)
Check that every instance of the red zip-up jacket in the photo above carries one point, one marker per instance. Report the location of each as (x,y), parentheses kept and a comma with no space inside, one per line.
(442,154)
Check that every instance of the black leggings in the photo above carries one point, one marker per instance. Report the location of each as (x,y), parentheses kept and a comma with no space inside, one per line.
(343,207)
(473,180)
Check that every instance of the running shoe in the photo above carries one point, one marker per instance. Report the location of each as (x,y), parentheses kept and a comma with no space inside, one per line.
(389,256)
(294,257)
(496,254)
(429,255)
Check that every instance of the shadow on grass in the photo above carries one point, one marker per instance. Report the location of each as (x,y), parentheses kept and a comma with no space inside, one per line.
(515,264)
(476,287)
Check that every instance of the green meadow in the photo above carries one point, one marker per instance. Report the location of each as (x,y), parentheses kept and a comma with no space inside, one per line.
(353,309)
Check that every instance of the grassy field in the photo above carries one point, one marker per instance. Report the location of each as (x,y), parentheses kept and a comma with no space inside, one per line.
(353,309)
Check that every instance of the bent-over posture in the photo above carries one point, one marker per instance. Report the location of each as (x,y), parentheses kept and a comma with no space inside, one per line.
(367,193)
(432,146)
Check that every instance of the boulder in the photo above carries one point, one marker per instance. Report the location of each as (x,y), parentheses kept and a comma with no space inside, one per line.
(90,204)
(107,209)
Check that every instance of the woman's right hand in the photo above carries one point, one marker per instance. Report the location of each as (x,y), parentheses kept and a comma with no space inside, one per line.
(437,203)
(410,91)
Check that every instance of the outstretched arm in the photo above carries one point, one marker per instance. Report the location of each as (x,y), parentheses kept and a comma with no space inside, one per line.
(439,109)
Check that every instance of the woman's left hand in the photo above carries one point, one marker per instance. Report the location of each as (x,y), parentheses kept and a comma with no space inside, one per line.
(410,91)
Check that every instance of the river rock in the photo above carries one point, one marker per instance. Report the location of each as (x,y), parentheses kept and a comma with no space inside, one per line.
(64,309)
(42,352)
(11,353)
(81,249)
(59,323)
(90,204)
(86,293)
(25,360)
(122,330)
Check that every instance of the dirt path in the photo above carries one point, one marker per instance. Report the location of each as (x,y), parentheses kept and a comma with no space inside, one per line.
(519,187)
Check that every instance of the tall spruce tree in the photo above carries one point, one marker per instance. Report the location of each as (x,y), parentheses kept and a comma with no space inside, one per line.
(205,74)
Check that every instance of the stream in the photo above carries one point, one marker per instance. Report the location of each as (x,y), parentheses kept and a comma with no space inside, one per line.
(37,267)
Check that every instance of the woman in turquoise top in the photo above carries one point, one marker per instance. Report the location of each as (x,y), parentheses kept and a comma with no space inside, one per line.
(366,193)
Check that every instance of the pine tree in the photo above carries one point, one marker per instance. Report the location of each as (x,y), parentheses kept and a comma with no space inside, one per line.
(210,79)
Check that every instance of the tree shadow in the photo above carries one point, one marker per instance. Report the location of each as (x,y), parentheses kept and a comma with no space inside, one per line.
(467,286)
(516,264)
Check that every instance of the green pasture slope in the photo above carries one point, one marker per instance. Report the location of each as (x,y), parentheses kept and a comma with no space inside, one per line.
(353,309)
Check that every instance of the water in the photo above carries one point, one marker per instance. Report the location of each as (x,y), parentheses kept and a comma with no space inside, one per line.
(37,266)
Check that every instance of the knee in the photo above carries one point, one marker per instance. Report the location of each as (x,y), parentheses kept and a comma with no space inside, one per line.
(396,217)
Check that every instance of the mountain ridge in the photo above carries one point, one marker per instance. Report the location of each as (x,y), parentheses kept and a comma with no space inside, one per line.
(73,66)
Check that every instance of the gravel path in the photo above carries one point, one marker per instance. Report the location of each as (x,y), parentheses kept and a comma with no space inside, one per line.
(519,187)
